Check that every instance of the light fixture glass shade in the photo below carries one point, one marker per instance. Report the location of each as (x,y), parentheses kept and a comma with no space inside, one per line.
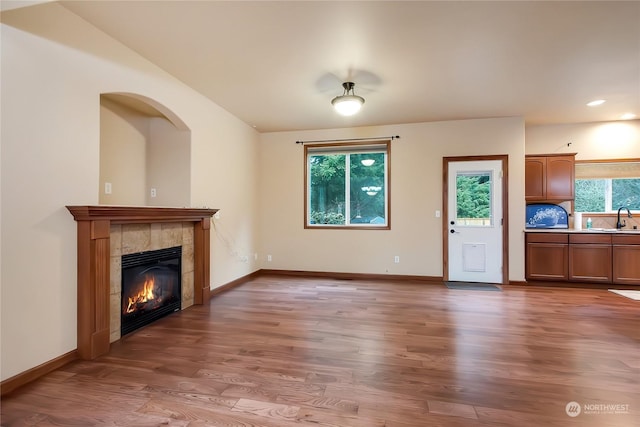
(347,105)
(371,191)
(367,162)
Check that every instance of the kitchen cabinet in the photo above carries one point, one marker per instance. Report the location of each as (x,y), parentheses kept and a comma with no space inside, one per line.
(547,256)
(626,259)
(550,177)
(590,258)
(585,257)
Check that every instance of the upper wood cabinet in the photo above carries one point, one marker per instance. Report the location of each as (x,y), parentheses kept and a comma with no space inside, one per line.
(549,177)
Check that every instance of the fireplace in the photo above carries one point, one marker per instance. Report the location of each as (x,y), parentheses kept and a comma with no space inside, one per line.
(151,287)
(94,224)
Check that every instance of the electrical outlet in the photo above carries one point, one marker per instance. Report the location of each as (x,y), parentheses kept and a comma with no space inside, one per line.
(396,259)
(255,256)
(269,258)
(438,214)
(107,188)
(153,192)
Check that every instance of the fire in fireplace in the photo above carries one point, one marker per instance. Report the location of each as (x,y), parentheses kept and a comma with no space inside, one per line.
(151,287)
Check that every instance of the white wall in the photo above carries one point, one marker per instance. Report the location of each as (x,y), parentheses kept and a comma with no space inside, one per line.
(416,193)
(54,68)
(139,152)
(168,164)
(592,141)
(124,136)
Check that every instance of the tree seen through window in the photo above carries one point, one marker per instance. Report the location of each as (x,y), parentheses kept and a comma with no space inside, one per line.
(473,198)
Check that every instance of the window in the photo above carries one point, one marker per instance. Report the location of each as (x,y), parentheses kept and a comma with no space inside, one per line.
(606,186)
(347,186)
(473,199)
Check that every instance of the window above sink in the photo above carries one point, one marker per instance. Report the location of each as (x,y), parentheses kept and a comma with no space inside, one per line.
(603,186)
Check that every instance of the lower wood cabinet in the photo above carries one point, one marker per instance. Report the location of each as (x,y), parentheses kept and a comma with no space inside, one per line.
(626,259)
(590,258)
(547,256)
(583,257)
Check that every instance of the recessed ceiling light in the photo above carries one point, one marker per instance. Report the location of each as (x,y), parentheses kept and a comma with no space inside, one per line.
(627,116)
(596,102)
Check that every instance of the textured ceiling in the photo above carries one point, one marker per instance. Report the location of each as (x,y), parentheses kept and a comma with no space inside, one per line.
(277,65)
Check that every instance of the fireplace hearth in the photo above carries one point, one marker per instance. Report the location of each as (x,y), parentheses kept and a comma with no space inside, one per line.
(151,287)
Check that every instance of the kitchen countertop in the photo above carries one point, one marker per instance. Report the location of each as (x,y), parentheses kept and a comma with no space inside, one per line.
(583,231)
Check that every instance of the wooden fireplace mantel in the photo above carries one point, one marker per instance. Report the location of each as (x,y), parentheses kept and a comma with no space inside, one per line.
(94,253)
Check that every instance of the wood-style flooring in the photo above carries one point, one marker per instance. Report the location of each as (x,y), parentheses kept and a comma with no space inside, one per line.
(289,351)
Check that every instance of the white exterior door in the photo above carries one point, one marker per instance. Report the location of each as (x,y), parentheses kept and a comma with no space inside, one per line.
(475,221)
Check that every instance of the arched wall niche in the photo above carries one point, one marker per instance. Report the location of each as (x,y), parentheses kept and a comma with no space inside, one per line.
(145,153)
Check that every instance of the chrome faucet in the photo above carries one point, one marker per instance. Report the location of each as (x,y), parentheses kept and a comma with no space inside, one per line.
(619,224)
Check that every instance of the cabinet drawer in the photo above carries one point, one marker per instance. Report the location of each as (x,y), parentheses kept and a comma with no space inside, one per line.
(603,239)
(626,239)
(547,238)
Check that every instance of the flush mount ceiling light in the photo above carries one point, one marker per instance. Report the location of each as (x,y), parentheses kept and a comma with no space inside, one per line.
(348,103)
(367,162)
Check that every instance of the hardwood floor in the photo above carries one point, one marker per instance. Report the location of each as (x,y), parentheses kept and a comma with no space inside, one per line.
(291,351)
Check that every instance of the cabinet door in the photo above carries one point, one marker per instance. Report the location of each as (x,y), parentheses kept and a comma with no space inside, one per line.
(535,180)
(547,261)
(626,264)
(560,178)
(590,263)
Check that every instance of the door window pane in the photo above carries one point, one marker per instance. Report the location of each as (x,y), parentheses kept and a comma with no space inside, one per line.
(473,199)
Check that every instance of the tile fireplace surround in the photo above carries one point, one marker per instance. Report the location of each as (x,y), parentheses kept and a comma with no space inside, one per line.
(102,235)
